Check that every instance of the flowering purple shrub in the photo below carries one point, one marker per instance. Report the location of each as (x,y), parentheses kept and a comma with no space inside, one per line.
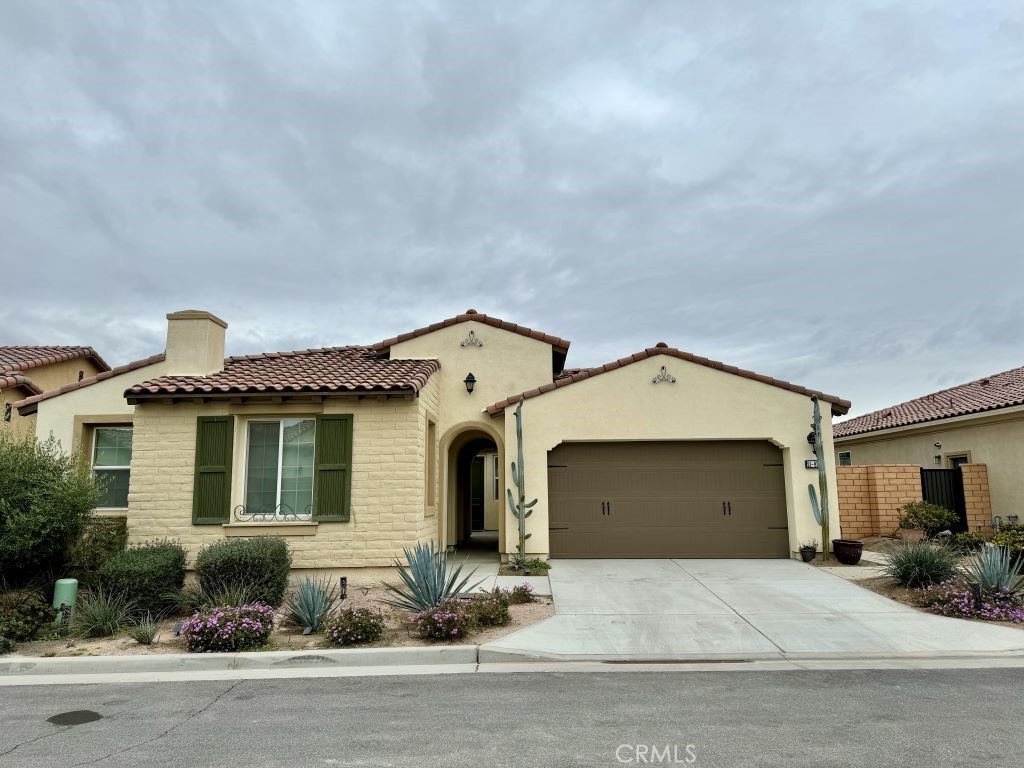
(954,598)
(350,626)
(228,629)
(491,608)
(521,593)
(448,620)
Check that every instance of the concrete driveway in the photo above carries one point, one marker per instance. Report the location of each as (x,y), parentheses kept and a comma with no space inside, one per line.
(733,609)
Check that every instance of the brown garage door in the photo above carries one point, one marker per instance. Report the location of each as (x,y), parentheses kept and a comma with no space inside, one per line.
(667,499)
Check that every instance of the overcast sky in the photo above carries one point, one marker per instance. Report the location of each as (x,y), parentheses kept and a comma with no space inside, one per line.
(827,192)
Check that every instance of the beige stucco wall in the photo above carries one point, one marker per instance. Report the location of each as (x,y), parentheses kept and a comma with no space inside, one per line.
(996,440)
(388,479)
(703,404)
(49,377)
(103,399)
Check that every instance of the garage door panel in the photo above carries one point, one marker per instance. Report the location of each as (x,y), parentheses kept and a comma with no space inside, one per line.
(667,499)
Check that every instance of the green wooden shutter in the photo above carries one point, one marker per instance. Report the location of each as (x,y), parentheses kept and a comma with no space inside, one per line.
(333,486)
(211,494)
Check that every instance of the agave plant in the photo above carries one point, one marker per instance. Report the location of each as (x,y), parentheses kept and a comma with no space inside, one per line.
(311,603)
(427,580)
(995,571)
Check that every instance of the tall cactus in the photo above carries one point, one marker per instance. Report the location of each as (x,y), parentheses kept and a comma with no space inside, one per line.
(521,508)
(820,512)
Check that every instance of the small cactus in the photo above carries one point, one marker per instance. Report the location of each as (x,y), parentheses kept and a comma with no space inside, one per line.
(520,507)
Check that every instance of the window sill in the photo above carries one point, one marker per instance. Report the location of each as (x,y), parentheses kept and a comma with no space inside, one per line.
(301,528)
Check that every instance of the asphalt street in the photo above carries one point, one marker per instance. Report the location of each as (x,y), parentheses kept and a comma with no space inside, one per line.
(814,718)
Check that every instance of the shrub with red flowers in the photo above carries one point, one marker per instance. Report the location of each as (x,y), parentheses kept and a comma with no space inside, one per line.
(229,629)
(953,597)
(448,620)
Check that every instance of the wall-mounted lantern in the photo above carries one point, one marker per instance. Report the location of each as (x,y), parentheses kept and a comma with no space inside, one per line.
(470,382)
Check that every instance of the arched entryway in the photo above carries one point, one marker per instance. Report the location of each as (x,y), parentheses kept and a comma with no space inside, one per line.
(474,489)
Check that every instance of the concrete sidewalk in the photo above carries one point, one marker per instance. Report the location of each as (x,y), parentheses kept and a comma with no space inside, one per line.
(648,610)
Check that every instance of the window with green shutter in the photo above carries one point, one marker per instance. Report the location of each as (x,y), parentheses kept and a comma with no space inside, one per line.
(333,468)
(211,495)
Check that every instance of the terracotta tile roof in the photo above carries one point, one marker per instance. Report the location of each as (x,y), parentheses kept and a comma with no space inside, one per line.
(30,404)
(839,406)
(16,379)
(332,369)
(23,358)
(560,347)
(1000,390)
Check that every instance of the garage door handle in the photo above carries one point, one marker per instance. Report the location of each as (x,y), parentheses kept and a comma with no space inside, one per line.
(602,508)
(609,507)
(723,508)
(730,507)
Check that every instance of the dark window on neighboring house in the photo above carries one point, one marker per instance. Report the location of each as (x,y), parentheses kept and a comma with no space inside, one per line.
(845,459)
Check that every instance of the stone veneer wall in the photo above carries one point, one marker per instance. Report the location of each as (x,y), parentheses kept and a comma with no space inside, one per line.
(870,497)
(388,512)
(977,497)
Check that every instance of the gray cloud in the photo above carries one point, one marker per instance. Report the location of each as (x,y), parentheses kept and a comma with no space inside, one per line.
(825,193)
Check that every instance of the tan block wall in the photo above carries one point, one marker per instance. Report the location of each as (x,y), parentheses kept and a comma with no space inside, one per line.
(388,505)
(870,497)
(977,497)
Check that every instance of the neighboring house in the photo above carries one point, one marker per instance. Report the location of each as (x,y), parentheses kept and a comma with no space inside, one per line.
(980,422)
(354,452)
(26,371)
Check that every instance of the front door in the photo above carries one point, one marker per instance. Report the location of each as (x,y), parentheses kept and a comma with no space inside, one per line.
(476,492)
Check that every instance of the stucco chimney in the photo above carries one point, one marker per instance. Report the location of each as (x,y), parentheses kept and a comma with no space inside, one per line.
(195,343)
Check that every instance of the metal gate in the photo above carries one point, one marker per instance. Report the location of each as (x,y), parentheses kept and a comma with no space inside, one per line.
(945,487)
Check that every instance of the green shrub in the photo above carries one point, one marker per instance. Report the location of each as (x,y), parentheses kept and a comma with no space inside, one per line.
(100,540)
(46,496)
(229,629)
(520,594)
(968,542)
(1011,537)
(537,567)
(448,620)
(195,599)
(23,613)
(351,626)
(310,603)
(100,614)
(6,644)
(146,574)
(931,517)
(491,609)
(259,565)
(919,564)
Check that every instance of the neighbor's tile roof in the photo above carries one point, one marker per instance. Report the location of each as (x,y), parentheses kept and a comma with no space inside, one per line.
(476,317)
(1000,390)
(30,404)
(14,379)
(333,369)
(22,358)
(839,406)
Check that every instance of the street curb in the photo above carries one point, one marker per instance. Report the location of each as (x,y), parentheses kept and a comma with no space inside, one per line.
(14,665)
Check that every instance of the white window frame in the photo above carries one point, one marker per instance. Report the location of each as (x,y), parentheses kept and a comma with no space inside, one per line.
(497,484)
(849,458)
(277,516)
(92,455)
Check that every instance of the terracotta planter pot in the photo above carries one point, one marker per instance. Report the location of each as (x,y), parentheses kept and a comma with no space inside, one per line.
(807,555)
(847,551)
(912,534)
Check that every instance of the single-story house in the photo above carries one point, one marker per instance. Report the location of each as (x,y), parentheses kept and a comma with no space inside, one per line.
(980,422)
(354,452)
(26,371)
